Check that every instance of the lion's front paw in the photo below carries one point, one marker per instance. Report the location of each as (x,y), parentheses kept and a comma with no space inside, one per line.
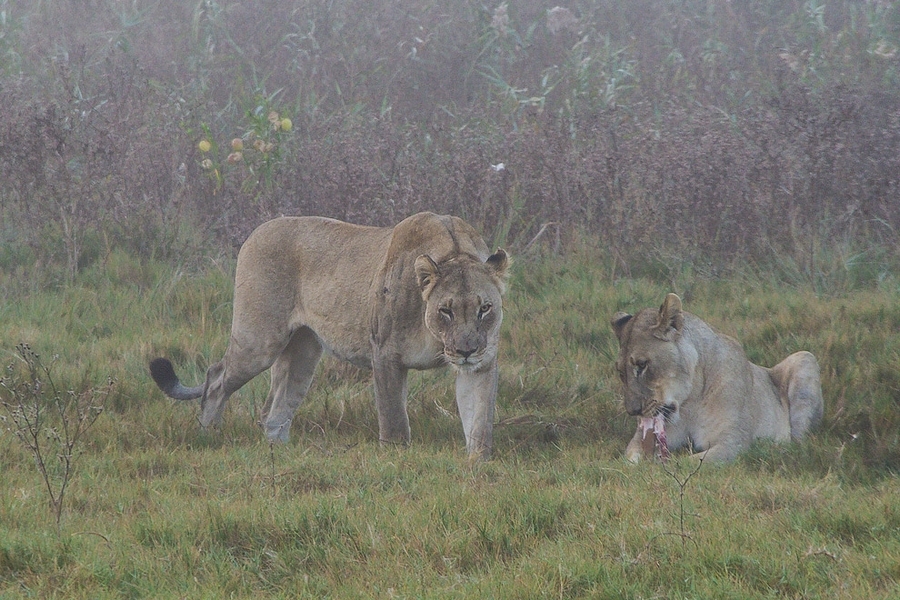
(634,452)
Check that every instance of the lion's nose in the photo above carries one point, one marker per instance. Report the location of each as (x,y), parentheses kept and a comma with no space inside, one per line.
(466,346)
(633,408)
(466,353)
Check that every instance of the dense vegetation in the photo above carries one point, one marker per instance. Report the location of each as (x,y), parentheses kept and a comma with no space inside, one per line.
(708,135)
(743,154)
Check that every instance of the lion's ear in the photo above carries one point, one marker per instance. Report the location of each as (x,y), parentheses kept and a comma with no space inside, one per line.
(618,322)
(499,262)
(671,318)
(427,273)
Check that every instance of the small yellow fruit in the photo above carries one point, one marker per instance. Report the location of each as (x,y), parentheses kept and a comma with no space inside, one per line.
(237,144)
(206,164)
(204,146)
(286,124)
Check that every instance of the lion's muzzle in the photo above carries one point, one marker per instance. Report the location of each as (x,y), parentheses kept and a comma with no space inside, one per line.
(467,350)
(634,406)
(464,360)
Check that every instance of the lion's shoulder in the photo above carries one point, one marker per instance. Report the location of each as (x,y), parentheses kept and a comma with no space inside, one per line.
(701,331)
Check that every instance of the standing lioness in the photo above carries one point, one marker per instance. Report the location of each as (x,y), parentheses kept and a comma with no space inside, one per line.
(419,295)
(694,385)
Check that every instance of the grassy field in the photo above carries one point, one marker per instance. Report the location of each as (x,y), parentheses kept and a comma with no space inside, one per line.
(742,154)
(159,508)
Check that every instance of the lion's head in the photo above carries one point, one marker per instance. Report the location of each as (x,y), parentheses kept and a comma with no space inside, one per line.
(656,369)
(463,305)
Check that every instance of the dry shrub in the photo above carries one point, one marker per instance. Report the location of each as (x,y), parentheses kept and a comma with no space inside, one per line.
(690,133)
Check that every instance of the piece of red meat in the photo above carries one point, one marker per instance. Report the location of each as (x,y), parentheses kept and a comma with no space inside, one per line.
(657,425)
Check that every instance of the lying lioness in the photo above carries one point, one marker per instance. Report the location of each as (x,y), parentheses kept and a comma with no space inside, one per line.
(694,386)
(419,295)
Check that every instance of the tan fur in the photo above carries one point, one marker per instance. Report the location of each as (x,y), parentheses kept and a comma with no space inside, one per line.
(715,400)
(419,295)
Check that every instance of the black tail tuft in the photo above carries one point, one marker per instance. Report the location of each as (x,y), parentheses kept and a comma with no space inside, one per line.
(163,373)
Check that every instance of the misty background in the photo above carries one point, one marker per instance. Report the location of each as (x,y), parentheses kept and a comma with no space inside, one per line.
(712,136)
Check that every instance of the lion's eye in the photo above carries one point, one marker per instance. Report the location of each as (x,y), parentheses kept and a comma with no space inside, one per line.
(485,309)
(446,312)
(640,367)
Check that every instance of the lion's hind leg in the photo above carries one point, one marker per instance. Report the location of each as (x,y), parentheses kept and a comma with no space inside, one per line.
(227,376)
(292,376)
(798,382)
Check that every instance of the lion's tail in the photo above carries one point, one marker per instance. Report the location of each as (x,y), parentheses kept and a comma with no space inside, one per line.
(163,374)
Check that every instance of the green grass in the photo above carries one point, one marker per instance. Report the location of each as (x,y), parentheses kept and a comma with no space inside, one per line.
(160,508)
